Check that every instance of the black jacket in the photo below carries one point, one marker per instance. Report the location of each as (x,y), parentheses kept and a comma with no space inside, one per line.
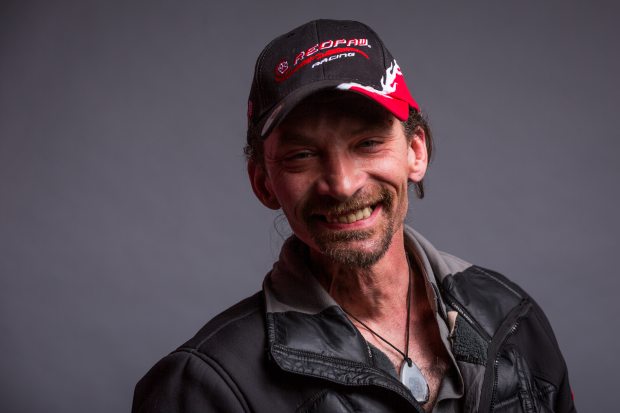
(290,348)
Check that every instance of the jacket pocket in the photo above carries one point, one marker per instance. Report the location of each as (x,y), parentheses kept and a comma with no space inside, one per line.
(518,390)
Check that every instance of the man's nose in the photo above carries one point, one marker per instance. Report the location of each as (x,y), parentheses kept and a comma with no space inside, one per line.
(340,178)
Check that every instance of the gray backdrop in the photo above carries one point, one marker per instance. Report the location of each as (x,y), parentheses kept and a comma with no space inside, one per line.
(127,221)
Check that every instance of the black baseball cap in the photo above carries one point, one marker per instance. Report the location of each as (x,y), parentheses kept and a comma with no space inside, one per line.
(324,54)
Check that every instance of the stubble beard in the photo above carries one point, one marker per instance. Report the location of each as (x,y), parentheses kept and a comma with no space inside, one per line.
(336,245)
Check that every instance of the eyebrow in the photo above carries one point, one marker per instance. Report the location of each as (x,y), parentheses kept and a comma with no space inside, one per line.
(372,128)
(293,138)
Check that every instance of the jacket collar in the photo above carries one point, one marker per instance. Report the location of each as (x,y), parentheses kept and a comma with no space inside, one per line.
(302,316)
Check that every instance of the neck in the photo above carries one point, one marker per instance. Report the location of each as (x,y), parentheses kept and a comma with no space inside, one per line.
(372,294)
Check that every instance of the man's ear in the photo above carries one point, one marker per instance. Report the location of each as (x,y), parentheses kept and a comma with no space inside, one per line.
(261,185)
(417,157)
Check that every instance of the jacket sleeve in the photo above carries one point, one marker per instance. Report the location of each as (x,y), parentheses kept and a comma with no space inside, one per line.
(565,396)
(187,381)
(550,355)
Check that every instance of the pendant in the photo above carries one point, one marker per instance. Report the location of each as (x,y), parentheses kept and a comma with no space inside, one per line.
(412,378)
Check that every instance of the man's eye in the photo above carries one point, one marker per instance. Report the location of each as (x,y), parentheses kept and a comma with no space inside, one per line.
(369,143)
(299,155)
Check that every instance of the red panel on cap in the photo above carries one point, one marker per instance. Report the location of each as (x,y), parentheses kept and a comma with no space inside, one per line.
(394,94)
(398,107)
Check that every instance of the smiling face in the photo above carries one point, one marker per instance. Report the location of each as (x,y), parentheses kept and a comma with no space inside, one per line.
(339,167)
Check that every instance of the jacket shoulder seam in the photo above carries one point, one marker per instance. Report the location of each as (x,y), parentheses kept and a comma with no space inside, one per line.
(211,334)
(217,330)
(493,277)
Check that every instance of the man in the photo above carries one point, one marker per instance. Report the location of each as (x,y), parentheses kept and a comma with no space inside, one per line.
(360,313)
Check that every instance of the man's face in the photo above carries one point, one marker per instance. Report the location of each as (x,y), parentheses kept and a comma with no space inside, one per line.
(339,169)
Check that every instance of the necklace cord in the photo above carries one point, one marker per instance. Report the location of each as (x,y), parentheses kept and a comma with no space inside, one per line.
(405,355)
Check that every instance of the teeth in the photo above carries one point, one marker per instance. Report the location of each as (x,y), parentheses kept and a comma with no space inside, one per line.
(366,212)
(351,217)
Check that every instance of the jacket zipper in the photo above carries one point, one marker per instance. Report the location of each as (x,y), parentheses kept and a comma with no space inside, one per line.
(512,330)
(487,397)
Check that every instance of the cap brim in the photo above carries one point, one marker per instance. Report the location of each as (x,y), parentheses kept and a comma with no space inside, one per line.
(276,115)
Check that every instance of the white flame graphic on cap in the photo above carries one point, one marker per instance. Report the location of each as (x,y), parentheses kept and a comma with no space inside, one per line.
(388,82)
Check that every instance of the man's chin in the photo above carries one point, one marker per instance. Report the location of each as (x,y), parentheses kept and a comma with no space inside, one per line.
(352,249)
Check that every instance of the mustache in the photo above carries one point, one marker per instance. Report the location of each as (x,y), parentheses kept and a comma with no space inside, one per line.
(329,206)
